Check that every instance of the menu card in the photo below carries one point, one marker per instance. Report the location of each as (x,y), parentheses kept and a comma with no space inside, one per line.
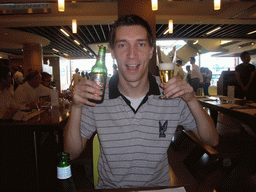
(54,98)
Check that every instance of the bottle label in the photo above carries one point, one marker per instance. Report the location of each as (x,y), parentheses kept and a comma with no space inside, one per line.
(100,57)
(64,172)
(99,79)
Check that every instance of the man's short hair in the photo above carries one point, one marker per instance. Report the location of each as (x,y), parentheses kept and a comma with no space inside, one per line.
(243,54)
(31,74)
(130,20)
(179,61)
(193,59)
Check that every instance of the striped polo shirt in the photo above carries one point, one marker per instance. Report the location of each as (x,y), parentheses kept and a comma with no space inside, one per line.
(134,143)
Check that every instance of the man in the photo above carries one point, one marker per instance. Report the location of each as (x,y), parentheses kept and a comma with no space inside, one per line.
(134,126)
(8,106)
(180,72)
(207,77)
(245,73)
(30,91)
(17,77)
(196,76)
(188,77)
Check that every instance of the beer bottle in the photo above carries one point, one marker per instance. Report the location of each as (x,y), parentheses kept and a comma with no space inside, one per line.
(99,72)
(64,175)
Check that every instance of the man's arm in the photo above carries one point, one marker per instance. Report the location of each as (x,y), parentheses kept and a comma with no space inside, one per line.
(206,130)
(250,81)
(74,143)
(240,81)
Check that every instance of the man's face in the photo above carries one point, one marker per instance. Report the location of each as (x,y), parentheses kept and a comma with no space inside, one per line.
(47,82)
(247,58)
(191,61)
(36,80)
(132,52)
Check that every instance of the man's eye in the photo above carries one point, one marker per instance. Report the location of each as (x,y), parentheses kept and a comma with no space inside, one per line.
(142,44)
(121,45)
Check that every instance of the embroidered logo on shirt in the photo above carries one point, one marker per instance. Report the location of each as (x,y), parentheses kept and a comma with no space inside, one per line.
(162,128)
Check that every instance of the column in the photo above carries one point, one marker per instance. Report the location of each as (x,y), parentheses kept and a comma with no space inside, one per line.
(32,57)
(144,10)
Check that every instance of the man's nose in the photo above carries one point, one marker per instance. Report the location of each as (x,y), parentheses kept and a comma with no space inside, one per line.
(132,52)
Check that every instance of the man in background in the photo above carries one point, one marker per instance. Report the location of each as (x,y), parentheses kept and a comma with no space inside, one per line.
(196,76)
(245,74)
(180,72)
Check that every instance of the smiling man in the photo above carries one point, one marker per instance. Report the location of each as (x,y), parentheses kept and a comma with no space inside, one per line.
(134,126)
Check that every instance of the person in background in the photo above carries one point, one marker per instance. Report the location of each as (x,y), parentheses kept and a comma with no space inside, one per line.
(196,76)
(8,105)
(245,74)
(46,79)
(83,75)
(18,77)
(180,72)
(188,77)
(30,91)
(207,77)
(134,126)
(75,80)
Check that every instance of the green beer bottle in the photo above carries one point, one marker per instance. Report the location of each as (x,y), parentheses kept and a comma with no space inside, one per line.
(99,73)
(64,175)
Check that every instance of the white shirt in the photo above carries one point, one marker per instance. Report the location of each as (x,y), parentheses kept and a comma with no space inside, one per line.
(25,94)
(195,73)
(180,73)
(6,101)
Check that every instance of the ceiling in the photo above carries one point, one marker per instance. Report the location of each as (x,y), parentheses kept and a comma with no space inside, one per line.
(192,20)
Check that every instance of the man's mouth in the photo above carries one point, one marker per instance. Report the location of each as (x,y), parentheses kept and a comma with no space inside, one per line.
(132,67)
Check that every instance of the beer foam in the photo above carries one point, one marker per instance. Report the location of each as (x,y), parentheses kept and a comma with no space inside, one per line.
(166,66)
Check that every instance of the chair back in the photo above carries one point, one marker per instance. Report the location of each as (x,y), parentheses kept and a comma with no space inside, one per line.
(96,155)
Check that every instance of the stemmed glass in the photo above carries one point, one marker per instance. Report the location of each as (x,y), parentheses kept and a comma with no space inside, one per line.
(166,72)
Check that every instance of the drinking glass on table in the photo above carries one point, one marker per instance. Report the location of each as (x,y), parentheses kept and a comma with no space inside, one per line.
(166,72)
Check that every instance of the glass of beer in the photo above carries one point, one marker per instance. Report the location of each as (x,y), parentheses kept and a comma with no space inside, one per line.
(166,72)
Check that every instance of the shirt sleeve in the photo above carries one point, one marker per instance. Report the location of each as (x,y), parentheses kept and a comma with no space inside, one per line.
(187,120)
(87,124)
(20,96)
(44,91)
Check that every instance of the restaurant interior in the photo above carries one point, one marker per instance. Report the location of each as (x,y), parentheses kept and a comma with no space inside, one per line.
(44,36)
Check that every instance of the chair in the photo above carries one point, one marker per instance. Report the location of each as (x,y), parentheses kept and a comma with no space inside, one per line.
(96,155)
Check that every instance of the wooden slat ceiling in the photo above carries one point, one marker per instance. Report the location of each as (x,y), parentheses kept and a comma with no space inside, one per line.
(97,34)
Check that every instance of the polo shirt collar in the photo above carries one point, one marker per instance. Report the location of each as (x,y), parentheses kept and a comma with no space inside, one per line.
(114,92)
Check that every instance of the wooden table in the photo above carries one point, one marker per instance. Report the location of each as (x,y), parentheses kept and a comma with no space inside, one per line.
(29,149)
(246,115)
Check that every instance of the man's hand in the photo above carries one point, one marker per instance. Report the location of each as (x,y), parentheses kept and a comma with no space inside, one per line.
(176,87)
(85,90)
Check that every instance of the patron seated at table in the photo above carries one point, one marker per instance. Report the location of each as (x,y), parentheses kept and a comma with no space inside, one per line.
(31,91)
(47,80)
(134,126)
(8,105)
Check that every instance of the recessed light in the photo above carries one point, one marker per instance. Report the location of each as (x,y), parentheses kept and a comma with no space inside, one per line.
(251,32)
(212,31)
(64,32)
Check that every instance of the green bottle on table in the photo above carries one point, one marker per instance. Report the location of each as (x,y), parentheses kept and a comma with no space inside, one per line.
(99,73)
(64,174)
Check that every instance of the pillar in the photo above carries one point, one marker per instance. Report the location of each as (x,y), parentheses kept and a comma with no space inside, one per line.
(32,57)
(144,10)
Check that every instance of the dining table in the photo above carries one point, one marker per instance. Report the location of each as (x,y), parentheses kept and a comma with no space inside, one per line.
(242,110)
(30,142)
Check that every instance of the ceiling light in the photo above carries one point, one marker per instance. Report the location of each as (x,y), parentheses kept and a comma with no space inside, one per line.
(217,4)
(61,5)
(74,26)
(154,4)
(252,43)
(63,31)
(85,49)
(55,50)
(251,32)
(76,42)
(195,42)
(1,57)
(170,26)
(222,42)
(65,54)
(30,10)
(166,31)
(212,31)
